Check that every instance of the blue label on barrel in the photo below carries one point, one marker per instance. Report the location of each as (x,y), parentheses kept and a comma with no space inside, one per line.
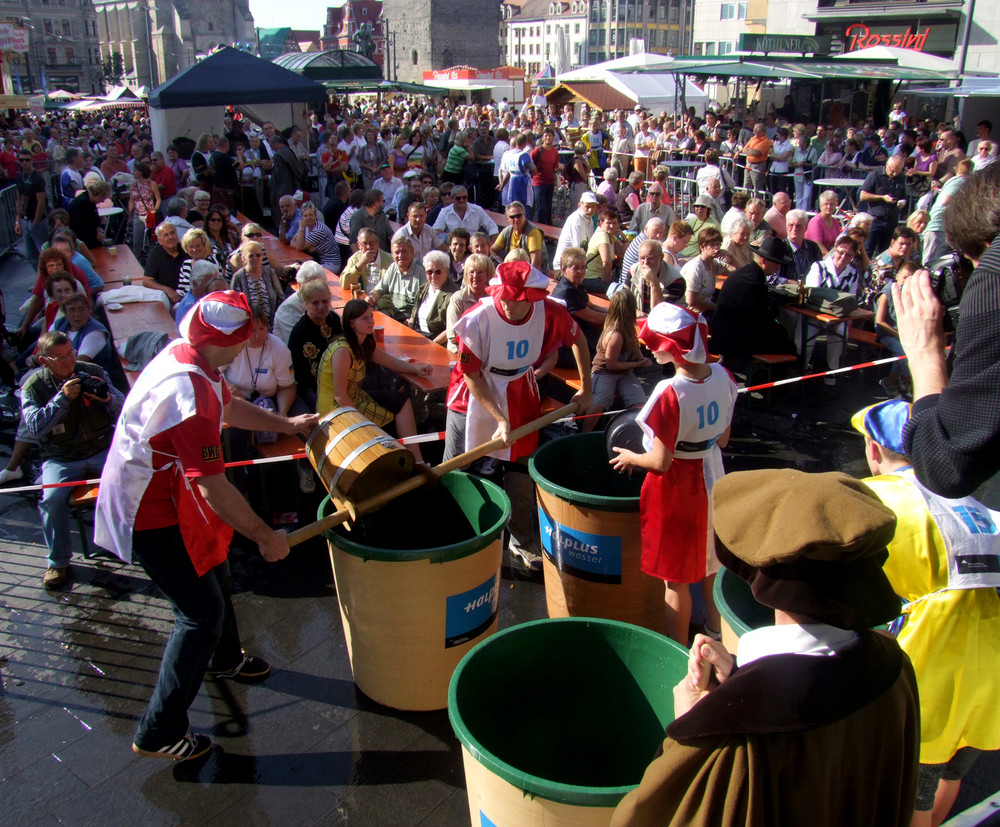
(595,557)
(484,820)
(471,613)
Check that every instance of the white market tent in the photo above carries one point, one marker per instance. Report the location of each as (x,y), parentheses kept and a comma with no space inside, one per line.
(636,77)
(629,63)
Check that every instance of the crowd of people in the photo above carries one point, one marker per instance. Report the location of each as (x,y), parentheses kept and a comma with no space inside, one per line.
(400,209)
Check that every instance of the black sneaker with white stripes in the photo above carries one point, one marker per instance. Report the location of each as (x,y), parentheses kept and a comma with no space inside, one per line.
(191,746)
(250,670)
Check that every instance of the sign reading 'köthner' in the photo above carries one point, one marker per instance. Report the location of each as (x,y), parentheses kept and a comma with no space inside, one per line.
(790,43)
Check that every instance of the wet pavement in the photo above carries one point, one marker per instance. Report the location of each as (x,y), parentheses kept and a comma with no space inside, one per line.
(305,747)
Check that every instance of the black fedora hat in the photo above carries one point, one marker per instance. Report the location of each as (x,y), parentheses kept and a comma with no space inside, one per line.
(774,249)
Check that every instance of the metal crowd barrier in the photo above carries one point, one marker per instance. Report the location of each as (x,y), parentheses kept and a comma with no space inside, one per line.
(8,219)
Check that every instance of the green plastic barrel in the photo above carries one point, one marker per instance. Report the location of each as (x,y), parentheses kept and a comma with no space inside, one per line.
(588,514)
(739,608)
(558,719)
(418,583)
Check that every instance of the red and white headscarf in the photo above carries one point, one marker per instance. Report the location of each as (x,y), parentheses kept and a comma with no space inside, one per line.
(680,332)
(221,319)
(518,281)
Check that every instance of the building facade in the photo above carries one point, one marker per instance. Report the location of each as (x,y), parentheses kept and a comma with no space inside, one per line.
(343,22)
(718,24)
(663,27)
(938,27)
(159,38)
(538,32)
(437,34)
(62,45)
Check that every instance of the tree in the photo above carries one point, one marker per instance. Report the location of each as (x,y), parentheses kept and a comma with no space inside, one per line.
(113,70)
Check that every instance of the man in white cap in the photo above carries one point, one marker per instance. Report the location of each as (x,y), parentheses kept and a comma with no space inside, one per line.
(579,226)
(493,389)
(165,502)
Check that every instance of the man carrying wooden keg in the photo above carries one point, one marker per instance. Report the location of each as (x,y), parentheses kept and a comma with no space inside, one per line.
(165,501)
(493,389)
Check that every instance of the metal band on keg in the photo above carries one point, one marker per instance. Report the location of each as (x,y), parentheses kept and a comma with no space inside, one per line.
(349,429)
(318,430)
(379,440)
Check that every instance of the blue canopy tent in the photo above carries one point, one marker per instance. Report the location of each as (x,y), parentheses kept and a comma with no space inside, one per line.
(193,101)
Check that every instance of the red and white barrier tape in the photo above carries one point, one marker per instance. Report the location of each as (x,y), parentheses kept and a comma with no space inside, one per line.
(437,436)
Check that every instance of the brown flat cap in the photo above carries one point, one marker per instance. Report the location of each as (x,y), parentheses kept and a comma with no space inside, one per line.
(810,544)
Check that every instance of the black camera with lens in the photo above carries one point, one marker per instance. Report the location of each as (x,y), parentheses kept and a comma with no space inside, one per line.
(93,385)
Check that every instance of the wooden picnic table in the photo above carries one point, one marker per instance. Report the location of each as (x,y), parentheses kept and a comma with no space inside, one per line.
(405,343)
(137,317)
(113,268)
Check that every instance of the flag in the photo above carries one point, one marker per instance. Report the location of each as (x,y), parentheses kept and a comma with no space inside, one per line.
(20,91)
(45,83)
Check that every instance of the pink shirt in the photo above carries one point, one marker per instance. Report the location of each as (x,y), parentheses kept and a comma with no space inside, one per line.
(824,236)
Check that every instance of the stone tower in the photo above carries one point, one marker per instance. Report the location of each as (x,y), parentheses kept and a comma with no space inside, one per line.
(436,34)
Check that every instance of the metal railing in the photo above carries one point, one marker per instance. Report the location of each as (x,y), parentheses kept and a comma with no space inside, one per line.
(8,219)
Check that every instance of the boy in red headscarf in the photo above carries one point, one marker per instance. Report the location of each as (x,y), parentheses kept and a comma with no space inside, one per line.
(165,501)
(686,422)
(493,388)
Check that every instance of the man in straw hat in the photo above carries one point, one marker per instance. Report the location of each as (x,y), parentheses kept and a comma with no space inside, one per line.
(819,724)
(943,563)
(165,501)
(493,390)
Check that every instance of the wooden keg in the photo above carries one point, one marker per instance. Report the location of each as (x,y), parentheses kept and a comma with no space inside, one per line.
(354,456)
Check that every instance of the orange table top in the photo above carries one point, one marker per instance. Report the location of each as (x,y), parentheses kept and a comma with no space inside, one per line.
(113,268)
(406,343)
(136,317)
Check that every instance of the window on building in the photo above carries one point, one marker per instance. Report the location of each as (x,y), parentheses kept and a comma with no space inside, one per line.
(593,37)
(638,11)
(48,27)
(70,55)
(211,26)
(741,11)
(67,29)
(51,54)
(364,12)
(548,28)
(576,28)
(710,48)
(673,15)
(601,37)
(614,36)
(728,11)
(594,12)
(413,57)
(699,48)
(725,48)
(604,10)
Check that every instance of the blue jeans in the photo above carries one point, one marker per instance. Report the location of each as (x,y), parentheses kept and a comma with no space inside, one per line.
(204,636)
(542,208)
(34,235)
(54,504)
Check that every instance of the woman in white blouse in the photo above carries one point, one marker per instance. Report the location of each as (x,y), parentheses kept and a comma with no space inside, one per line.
(430,308)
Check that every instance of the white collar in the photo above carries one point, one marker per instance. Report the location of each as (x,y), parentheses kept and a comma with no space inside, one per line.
(816,639)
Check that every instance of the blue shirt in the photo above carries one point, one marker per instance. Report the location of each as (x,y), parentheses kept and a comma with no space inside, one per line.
(95,281)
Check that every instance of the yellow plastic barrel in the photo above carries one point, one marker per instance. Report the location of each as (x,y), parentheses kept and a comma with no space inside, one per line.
(418,585)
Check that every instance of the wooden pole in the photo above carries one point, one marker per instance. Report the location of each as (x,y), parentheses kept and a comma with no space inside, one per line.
(378,500)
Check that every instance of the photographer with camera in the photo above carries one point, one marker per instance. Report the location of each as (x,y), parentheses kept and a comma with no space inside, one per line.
(953,435)
(71,408)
